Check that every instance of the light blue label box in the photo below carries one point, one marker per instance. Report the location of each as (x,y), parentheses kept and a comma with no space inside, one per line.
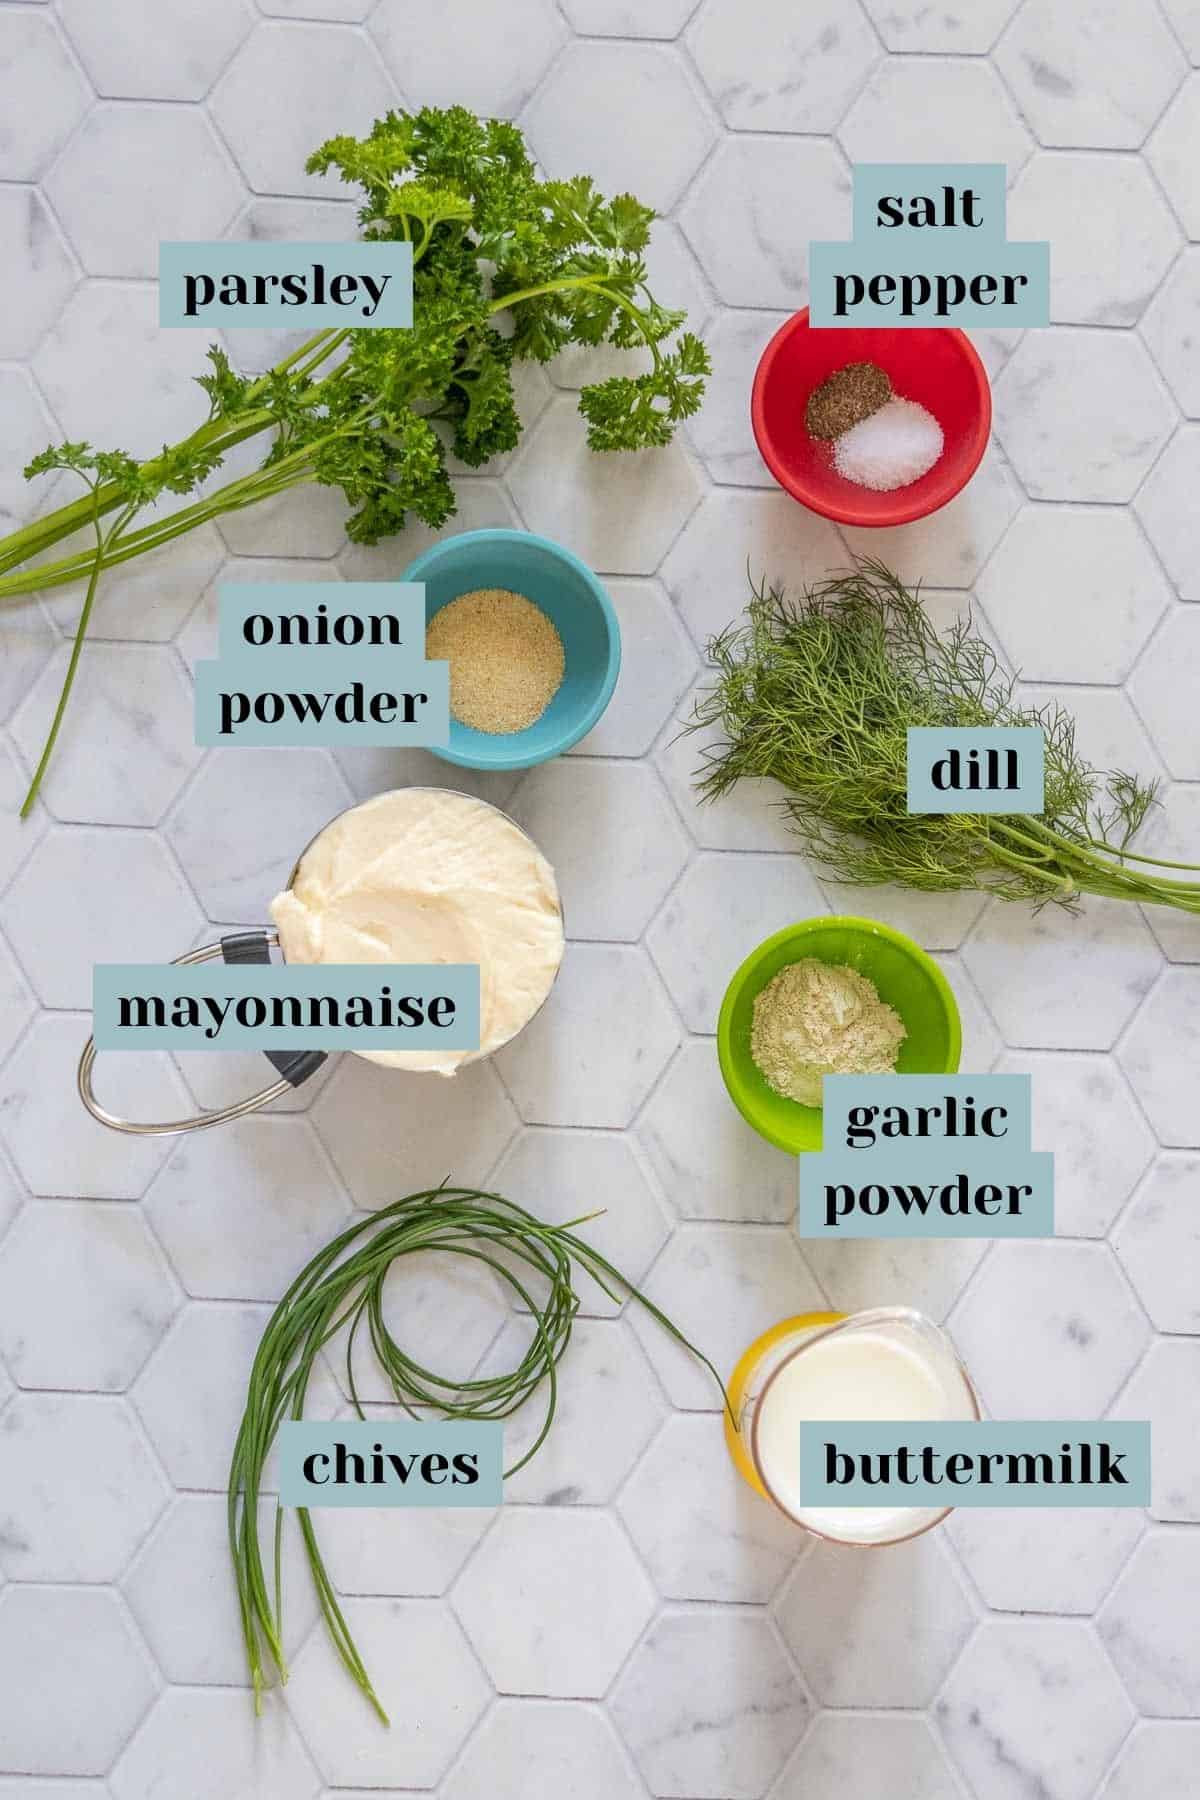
(373,616)
(222,286)
(250,1006)
(1012,757)
(276,682)
(857,1107)
(293,697)
(430,1466)
(925,274)
(941,1191)
(1035,1478)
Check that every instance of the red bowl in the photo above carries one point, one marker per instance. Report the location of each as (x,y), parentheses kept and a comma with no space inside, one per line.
(940,369)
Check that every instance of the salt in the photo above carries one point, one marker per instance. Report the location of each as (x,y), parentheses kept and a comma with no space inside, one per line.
(894,446)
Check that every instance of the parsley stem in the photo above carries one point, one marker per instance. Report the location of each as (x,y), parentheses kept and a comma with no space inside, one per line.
(76,652)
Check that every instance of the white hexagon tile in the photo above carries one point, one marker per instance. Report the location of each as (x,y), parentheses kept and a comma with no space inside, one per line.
(635,1623)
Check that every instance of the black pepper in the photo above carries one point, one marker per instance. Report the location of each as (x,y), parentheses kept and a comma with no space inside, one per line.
(845,398)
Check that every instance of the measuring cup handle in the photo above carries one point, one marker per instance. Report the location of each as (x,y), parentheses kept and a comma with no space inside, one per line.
(294,1066)
(255,947)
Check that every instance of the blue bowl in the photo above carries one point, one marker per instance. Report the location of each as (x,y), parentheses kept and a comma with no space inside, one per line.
(582,613)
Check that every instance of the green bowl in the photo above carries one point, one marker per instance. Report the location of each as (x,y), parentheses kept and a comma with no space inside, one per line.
(905,977)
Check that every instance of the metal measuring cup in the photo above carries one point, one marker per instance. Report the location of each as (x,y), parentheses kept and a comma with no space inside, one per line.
(294,1067)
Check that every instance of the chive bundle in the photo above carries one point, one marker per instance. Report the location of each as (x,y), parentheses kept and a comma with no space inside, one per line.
(343,1286)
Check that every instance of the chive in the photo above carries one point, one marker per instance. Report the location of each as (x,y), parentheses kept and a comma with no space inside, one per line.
(343,1286)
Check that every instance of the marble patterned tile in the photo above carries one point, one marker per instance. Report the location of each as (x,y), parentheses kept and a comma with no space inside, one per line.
(538,1634)
(1156,1052)
(52,1526)
(143,49)
(403,1551)
(948,549)
(609,1408)
(115,228)
(147,600)
(1161,1391)
(912,111)
(1154,1759)
(738,216)
(105,360)
(89,1678)
(1038,1561)
(1171,153)
(737,537)
(29,642)
(109,866)
(1185,17)
(488,61)
(1084,1113)
(125,748)
(1113,234)
(1033,1703)
(241,1209)
(709,1705)
(1158,1243)
(1163,510)
(564,1175)
(1025,992)
(903,1619)
(1170,831)
(721,432)
(611,838)
(239,841)
(181,1591)
(749,818)
(1073,1330)
(335,83)
(25,430)
(1108,735)
(657,665)
(425,1128)
(1099,568)
(196,1738)
(911,25)
(1149,1638)
(58,1149)
(777,69)
(873,1758)
(619,512)
(722,1286)
(191,1393)
(1098,73)
(703,1533)
(49,95)
(41,273)
(667,127)
(541,1750)
(716,917)
(573,1064)
(85,1295)
(1082,414)
(929,1274)
(1171,327)
(711,1164)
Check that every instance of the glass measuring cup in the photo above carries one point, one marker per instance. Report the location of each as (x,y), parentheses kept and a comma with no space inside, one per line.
(884,1363)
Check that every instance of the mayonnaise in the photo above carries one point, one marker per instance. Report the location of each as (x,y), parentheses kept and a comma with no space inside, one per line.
(423,875)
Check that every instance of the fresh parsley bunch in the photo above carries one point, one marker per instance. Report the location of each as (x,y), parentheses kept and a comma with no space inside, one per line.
(376,412)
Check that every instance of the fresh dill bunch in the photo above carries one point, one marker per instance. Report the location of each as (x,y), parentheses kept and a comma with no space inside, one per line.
(818,693)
